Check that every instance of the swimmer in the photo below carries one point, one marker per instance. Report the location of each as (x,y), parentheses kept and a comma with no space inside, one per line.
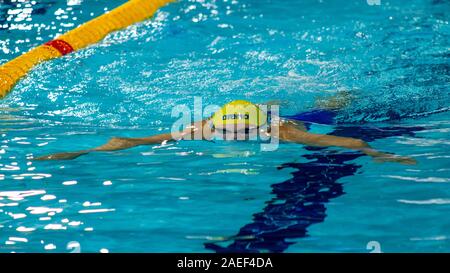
(239,120)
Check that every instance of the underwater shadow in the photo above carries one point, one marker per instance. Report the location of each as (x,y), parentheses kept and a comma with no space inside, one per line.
(301,200)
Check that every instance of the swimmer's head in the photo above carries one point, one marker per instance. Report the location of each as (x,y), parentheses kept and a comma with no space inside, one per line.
(239,115)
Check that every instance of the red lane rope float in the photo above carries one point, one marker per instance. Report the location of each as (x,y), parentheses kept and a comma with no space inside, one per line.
(63,47)
(84,35)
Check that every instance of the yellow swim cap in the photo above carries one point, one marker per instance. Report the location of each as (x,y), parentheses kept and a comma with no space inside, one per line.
(239,113)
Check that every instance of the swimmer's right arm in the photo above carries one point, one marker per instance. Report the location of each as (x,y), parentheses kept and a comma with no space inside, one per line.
(121,143)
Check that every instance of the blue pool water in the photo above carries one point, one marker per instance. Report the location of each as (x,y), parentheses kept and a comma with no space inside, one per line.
(206,197)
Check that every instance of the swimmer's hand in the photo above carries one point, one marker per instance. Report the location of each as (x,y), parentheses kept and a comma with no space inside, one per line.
(61,156)
(395,158)
(381,157)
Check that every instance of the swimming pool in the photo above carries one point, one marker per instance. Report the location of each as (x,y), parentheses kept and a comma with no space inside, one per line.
(205,197)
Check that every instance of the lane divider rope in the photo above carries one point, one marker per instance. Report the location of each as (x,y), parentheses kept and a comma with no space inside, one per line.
(82,36)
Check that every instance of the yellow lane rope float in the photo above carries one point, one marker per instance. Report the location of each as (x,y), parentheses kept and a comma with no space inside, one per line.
(84,35)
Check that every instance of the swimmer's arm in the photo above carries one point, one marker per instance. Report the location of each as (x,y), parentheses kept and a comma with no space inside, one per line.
(121,143)
(292,134)
(114,144)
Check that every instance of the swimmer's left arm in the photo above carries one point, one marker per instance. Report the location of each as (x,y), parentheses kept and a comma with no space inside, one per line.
(291,134)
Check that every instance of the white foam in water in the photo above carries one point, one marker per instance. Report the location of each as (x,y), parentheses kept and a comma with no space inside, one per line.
(95,210)
(25,229)
(18,239)
(21,194)
(48,197)
(55,227)
(43,210)
(50,247)
(107,183)
(70,183)
(437,201)
(17,215)
(420,179)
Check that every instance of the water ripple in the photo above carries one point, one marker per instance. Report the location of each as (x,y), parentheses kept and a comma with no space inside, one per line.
(418,179)
(436,201)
